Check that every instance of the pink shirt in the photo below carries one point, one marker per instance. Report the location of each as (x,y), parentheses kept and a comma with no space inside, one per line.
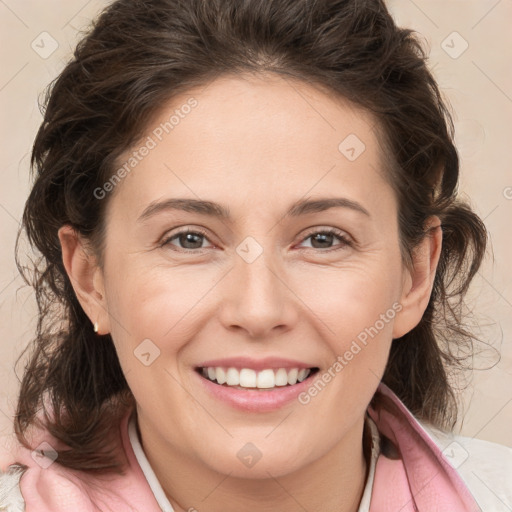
(419,477)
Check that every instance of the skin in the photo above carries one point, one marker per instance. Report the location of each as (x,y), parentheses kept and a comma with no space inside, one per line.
(255,145)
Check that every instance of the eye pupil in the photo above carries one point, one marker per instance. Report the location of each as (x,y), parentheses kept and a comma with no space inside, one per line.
(322,237)
(186,238)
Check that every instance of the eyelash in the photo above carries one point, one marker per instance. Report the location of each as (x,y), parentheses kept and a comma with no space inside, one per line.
(345,242)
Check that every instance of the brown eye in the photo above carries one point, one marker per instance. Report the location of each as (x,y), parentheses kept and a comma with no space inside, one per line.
(188,240)
(325,238)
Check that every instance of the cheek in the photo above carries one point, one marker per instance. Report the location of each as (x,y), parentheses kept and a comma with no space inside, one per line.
(150,322)
(351,300)
(357,307)
(359,339)
(156,303)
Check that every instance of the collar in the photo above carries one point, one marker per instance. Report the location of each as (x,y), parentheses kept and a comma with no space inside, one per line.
(407,470)
(166,506)
(412,474)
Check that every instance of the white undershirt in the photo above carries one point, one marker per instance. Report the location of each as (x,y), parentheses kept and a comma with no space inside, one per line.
(165,505)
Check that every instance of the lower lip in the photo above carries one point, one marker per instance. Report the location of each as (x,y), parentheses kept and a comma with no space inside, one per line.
(253,400)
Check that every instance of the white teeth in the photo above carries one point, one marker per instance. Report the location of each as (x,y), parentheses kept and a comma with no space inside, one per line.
(221,375)
(292,376)
(249,378)
(232,377)
(281,377)
(266,379)
(303,373)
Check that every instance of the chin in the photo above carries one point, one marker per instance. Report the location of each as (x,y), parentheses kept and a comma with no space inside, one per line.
(254,460)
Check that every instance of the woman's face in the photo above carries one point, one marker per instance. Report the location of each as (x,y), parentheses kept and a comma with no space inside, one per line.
(259,290)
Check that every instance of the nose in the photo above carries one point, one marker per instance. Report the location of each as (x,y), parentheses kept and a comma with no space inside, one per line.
(258,300)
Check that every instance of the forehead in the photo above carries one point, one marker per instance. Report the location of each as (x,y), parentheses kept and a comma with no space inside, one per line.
(251,138)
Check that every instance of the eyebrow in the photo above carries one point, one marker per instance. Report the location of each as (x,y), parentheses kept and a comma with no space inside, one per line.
(212,209)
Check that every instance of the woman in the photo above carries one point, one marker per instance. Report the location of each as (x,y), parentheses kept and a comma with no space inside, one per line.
(253,262)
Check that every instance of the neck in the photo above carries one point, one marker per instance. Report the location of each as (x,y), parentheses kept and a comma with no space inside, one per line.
(334,481)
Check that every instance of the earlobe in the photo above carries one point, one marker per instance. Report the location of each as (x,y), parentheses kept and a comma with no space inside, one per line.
(85,276)
(419,280)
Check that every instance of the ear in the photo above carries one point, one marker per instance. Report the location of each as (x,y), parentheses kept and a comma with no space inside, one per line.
(86,277)
(419,280)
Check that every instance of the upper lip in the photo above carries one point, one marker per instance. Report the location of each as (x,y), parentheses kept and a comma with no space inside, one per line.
(255,364)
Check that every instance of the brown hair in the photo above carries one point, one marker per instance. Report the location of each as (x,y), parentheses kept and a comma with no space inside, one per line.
(136,57)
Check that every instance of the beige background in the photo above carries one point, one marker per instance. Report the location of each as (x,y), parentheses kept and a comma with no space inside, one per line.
(476,80)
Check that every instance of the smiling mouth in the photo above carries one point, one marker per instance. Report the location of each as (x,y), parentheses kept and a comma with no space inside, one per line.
(247,378)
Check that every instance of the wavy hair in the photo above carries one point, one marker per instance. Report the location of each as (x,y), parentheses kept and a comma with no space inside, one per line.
(135,57)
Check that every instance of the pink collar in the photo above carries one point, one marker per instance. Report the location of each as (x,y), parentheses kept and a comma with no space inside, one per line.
(421,479)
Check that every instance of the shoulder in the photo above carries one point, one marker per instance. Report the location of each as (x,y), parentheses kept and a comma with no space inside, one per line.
(30,480)
(35,480)
(11,499)
(485,467)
